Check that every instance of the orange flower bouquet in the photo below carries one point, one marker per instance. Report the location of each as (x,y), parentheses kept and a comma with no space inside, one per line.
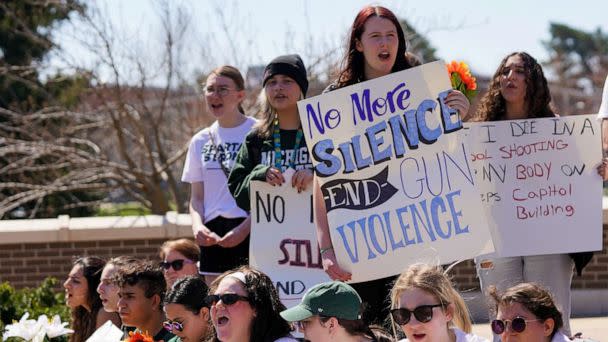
(462,80)
(138,336)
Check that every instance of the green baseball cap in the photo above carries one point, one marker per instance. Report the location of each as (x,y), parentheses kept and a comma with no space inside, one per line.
(331,299)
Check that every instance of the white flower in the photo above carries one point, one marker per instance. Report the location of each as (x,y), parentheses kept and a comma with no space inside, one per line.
(39,336)
(56,328)
(26,329)
(35,331)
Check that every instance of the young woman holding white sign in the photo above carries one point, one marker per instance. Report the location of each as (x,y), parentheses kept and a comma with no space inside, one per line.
(519,90)
(276,143)
(376,48)
(220,227)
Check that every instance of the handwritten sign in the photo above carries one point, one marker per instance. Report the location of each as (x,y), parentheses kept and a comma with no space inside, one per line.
(283,242)
(539,184)
(395,173)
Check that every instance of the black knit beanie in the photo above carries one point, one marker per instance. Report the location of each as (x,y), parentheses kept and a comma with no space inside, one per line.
(289,65)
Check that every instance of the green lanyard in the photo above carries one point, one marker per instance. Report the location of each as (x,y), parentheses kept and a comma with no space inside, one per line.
(277,146)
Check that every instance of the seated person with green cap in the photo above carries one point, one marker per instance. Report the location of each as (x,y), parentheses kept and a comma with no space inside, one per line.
(332,311)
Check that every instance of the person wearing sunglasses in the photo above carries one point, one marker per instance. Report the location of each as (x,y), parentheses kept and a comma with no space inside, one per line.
(245,307)
(331,311)
(179,259)
(527,312)
(187,311)
(427,307)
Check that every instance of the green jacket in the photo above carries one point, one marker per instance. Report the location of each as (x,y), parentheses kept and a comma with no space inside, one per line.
(256,156)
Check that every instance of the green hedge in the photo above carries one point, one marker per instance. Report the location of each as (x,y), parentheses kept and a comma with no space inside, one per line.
(37,301)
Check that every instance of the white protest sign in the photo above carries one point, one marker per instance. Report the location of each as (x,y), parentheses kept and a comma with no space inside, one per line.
(107,332)
(394,173)
(283,241)
(539,184)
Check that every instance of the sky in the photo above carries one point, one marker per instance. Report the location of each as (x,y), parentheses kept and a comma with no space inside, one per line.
(478,32)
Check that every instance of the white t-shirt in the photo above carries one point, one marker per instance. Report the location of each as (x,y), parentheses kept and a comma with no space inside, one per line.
(202,166)
(286,339)
(461,336)
(603,112)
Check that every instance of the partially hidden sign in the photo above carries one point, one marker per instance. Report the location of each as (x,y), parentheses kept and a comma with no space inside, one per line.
(538,182)
(395,173)
(283,242)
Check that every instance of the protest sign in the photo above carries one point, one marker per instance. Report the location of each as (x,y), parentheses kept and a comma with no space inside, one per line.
(538,181)
(283,242)
(394,173)
(107,332)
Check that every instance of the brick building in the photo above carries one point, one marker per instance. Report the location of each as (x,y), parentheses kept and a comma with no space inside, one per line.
(31,250)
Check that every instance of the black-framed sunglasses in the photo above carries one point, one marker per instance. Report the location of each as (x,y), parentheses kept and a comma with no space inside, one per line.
(518,324)
(226,298)
(173,326)
(177,264)
(423,314)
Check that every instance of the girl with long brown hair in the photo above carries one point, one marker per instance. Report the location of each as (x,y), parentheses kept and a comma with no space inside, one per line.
(83,300)
(376,48)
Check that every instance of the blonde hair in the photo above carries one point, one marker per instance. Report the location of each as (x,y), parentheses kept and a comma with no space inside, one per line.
(186,247)
(266,115)
(433,280)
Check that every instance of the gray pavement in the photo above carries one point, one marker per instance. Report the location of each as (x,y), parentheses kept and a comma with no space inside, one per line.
(595,328)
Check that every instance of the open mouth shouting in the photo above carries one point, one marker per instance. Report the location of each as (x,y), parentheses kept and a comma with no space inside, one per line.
(384,56)
(280,97)
(417,337)
(222,321)
(216,106)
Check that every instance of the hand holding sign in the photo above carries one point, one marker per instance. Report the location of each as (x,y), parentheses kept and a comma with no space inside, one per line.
(302,179)
(331,267)
(393,174)
(274,176)
(282,242)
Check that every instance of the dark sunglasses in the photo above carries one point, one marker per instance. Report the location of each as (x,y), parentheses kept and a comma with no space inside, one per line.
(176,264)
(173,325)
(423,314)
(518,324)
(227,299)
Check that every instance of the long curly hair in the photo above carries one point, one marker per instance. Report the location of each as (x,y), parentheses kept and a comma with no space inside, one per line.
(267,325)
(353,63)
(538,98)
(83,321)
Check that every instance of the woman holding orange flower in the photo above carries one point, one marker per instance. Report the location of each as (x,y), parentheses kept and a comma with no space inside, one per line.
(519,90)
(376,48)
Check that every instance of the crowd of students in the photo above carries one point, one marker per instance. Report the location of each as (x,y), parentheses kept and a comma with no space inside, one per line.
(241,303)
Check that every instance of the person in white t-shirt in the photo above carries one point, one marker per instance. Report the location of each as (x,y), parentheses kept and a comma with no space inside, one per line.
(220,227)
(427,307)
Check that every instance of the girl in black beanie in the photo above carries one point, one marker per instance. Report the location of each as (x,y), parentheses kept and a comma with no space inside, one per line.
(276,142)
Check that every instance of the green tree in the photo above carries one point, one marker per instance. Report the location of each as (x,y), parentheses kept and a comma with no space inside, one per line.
(26,28)
(417,43)
(577,58)
(26,32)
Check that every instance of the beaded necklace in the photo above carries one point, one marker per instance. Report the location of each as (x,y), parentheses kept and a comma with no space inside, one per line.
(277,145)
